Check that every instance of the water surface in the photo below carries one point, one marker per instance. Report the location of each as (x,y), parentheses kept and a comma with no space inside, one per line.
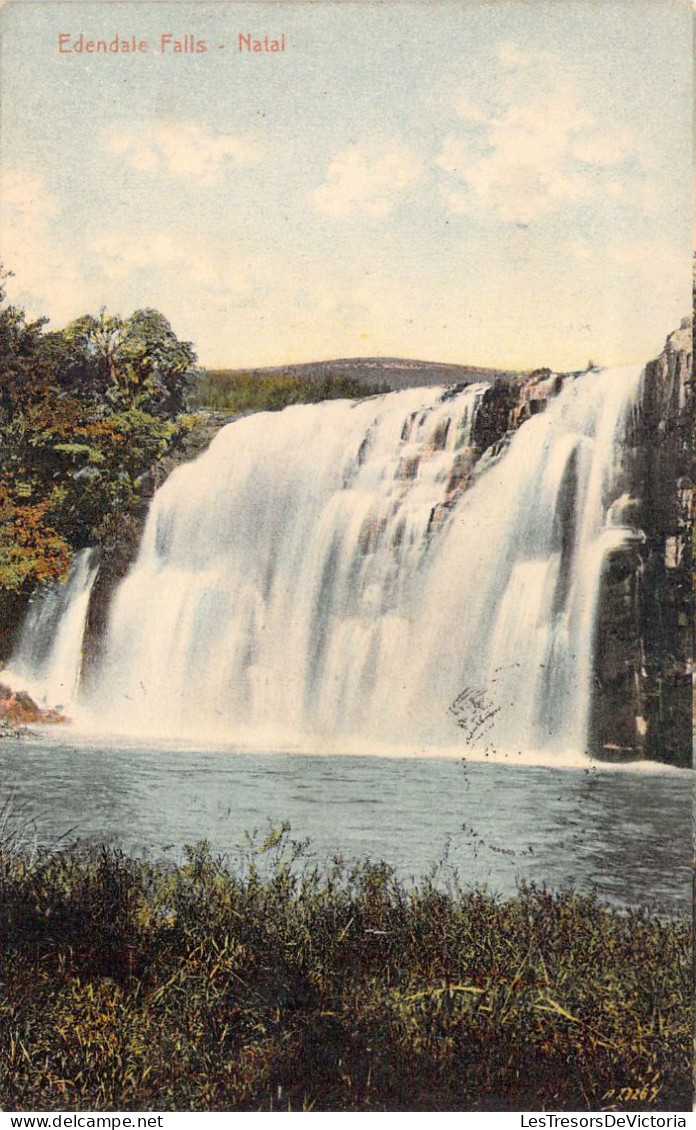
(623,833)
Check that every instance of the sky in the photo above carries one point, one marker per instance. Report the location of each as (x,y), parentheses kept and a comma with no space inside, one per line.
(477,181)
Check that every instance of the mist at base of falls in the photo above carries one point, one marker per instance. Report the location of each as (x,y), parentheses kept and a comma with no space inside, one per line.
(320,578)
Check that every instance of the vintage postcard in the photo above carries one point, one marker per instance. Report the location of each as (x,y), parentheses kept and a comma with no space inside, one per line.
(346,557)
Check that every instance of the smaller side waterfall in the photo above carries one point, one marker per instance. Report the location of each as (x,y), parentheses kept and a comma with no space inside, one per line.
(48,657)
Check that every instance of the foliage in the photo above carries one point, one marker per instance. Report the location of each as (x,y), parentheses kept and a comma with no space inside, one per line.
(84,413)
(137,362)
(132,985)
(31,551)
(239,393)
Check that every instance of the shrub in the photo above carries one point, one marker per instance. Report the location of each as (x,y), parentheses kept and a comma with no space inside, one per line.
(134,985)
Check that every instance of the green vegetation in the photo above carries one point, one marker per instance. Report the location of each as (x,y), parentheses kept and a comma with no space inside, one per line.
(236,393)
(86,411)
(132,985)
(83,413)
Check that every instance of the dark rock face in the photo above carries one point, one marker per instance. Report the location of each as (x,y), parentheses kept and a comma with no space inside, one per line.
(642,702)
(116,554)
(618,724)
(13,608)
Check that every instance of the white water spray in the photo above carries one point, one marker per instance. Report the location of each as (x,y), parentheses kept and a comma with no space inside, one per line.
(319,574)
(48,656)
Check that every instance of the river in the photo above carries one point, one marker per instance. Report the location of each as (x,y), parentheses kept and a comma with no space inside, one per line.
(620,831)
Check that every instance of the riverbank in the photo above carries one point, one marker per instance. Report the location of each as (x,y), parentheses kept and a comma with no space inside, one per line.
(135,985)
(17,709)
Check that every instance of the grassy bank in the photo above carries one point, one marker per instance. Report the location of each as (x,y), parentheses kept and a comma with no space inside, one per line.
(234,393)
(131,985)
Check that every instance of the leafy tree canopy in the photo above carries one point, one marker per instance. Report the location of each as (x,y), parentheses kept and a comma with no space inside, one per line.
(84,412)
(137,362)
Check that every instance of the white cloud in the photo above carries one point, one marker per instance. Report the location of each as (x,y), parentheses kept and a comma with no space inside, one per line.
(467,110)
(32,248)
(649,196)
(372,184)
(26,195)
(539,149)
(455,156)
(649,258)
(224,275)
(183,150)
(608,148)
(615,188)
(581,249)
(510,55)
(120,257)
(652,261)
(458,202)
(214,269)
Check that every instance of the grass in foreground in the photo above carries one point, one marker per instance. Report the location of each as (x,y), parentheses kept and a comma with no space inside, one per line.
(132,985)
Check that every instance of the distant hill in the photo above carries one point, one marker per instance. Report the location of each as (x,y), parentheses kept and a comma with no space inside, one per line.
(392,372)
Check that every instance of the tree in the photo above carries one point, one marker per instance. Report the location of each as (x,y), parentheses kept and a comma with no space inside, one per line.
(159,367)
(20,343)
(136,363)
(97,340)
(84,412)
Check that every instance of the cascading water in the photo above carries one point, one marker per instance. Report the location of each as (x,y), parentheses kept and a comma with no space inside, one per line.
(275,569)
(319,576)
(48,657)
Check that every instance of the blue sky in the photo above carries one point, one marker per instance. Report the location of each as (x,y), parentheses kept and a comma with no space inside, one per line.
(485,182)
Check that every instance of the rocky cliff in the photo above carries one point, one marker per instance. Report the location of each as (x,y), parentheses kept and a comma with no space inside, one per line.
(644,648)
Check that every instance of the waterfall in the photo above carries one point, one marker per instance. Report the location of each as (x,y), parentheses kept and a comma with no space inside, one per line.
(48,657)
(329,575)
